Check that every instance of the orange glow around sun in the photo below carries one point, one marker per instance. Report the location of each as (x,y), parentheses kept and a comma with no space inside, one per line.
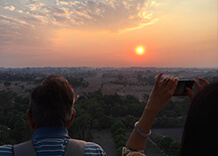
(140,50)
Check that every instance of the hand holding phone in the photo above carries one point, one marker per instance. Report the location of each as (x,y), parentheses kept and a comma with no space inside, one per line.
(199,87)
(181,89)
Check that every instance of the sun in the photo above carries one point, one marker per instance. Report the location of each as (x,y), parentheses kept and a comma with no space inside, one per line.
(140,50)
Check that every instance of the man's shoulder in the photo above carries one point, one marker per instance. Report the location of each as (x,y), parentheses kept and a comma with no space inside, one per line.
(93,149)
(6,150)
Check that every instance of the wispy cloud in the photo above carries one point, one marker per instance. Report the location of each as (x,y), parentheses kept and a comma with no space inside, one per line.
(21,19)
(11,8)
(111,15)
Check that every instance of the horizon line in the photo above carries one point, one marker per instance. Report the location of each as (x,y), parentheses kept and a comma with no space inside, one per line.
(26,67)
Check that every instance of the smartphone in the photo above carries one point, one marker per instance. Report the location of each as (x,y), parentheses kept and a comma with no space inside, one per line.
(181,87)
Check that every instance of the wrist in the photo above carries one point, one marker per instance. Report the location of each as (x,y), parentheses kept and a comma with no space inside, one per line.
(146,121)
(140,132)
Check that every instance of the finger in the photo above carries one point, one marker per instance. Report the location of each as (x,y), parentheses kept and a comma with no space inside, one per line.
(164,82)
(175,83)
(170,83)
(158,79)
(198,85)
(190,94)
(205,82)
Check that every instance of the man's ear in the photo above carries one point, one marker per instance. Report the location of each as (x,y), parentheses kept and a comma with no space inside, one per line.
(72,117)
(30,119)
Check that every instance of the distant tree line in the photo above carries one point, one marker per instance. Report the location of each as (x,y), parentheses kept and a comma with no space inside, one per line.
(76,82)
(7,76)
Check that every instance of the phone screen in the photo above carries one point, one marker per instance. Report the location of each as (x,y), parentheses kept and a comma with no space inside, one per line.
(181,87)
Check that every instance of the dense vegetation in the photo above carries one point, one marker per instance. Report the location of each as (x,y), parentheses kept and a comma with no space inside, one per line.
(97,111)
(14,127)
(118,131)
(94,110)
(167,145)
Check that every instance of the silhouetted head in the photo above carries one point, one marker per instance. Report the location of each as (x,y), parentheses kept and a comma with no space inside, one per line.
(200,131)
(52,103)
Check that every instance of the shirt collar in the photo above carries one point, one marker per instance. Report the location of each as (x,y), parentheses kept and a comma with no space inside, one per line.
(49,132)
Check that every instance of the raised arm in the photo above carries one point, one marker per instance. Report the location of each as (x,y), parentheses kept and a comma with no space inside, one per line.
(160,96)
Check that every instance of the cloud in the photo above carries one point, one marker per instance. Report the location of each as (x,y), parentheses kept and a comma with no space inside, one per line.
(20,20)
(113,15)
(11,8)
(20,11)
(12,21)
(17,32)
(110,15)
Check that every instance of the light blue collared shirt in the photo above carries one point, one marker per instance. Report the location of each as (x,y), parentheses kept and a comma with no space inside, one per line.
(53,141)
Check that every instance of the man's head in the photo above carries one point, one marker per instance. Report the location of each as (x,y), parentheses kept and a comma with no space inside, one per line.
(52,103)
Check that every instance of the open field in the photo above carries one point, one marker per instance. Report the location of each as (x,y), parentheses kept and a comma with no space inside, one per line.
(134,81)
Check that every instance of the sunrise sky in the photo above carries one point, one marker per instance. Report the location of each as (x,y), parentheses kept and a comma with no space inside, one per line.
(106,33)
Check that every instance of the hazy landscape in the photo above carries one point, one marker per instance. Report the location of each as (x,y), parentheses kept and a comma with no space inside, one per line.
(135,81)
(107,99)
(110,51)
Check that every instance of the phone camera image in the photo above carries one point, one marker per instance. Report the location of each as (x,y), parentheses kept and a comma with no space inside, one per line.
(181,87)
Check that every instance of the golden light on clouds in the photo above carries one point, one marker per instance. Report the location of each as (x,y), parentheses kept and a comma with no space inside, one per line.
(86,33)
(140,50)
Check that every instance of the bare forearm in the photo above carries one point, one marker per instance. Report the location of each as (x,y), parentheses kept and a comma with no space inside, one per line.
(136,141)
(160,96)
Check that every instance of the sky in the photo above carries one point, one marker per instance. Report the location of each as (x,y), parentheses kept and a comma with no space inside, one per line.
(106,33)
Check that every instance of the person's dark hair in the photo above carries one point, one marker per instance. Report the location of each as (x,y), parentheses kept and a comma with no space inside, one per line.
(51,102)
(200,131)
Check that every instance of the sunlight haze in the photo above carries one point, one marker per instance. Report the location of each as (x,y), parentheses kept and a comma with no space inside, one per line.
(105,33)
